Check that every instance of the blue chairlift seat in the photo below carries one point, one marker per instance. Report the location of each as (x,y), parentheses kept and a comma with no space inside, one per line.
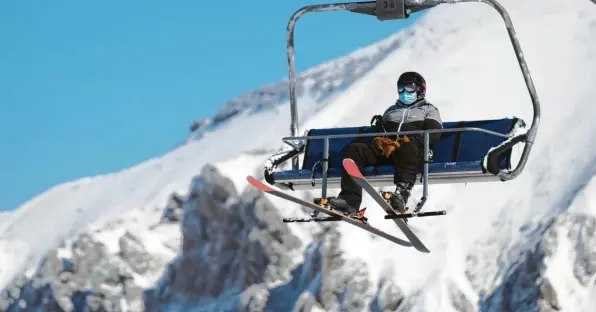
(456,158)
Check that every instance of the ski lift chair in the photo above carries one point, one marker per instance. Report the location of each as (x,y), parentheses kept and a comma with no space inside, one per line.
(467,152)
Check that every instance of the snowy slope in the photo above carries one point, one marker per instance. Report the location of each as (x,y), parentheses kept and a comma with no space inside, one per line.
(4,216)
(464,53)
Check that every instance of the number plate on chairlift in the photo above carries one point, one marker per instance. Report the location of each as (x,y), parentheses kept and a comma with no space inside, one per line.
(391,9)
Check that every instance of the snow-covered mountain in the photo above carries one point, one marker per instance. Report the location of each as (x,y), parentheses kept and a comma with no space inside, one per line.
(183,232)
(4,216)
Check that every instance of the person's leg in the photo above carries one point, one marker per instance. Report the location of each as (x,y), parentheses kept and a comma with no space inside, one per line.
(350,197)
(406,160)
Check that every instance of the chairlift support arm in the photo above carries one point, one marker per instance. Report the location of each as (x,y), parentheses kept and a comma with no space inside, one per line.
(401,9)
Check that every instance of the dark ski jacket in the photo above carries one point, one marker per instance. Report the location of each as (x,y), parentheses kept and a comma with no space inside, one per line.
(421,115)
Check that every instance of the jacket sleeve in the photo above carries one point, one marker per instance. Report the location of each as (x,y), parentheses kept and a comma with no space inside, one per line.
(433,121)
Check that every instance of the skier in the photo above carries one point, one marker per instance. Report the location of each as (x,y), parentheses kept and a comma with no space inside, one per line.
(410,112)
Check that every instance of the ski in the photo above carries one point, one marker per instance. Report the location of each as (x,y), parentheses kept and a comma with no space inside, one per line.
(352,169)
(312,219)
(269,190)
(416,214)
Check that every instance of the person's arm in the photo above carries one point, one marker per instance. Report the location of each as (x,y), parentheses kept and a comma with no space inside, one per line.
(433,121)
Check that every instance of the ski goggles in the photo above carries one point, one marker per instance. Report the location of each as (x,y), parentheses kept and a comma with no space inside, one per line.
(409,86)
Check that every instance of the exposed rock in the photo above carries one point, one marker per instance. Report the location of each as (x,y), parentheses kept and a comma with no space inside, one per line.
(388,297)
(526,288)
(133,252)
(325,280)
(173,212)
(88,279)
(230,242)
(458,300)
(199,124)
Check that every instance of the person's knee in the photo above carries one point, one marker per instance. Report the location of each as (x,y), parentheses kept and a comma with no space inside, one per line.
(408,154)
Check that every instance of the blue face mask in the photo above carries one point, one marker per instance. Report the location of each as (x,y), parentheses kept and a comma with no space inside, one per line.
(407,97)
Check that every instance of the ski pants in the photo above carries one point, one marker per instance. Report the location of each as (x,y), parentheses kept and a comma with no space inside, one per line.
(405,159)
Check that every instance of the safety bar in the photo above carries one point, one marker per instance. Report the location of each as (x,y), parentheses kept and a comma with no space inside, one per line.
(401,9)
(348,135)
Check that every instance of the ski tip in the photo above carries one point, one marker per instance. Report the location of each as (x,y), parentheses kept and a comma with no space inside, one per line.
(258,184)
(351,168)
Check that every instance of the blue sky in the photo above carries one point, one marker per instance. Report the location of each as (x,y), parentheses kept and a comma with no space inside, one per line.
(90,87)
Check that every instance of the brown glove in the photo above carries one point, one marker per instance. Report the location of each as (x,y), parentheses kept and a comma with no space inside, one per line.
(387,146)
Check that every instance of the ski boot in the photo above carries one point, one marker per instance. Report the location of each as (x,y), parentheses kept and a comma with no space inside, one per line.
(340,205)
(398,200)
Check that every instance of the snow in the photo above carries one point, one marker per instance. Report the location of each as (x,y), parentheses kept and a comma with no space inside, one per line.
(4,216)
(239,167)
(12,252)
(562,275)
(465,54)
(560,268)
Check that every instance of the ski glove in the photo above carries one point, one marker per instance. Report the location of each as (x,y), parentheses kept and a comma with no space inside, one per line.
(387,146)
